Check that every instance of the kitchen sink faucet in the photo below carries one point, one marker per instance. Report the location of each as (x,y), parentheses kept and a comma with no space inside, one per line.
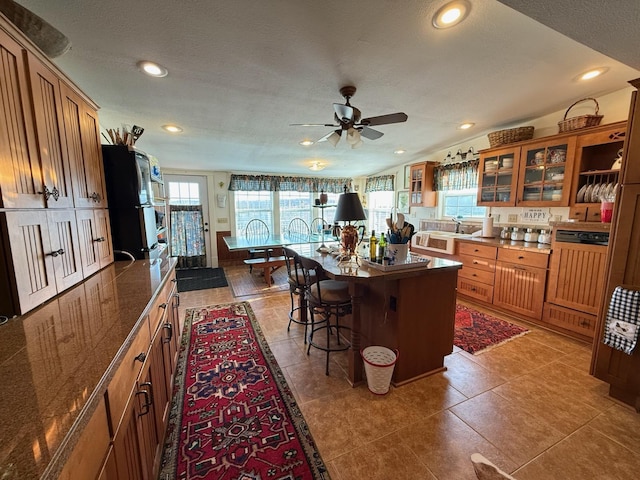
(458,222)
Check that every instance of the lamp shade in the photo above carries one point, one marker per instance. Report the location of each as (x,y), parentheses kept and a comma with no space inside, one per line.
(349,208)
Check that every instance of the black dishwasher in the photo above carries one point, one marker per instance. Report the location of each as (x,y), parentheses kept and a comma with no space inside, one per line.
(592,238)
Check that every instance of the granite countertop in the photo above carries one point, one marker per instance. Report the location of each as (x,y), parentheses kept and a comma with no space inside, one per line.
(511,244)
(56,362)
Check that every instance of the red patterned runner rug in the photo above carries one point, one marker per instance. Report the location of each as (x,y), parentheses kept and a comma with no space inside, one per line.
(233,415)
(476,332)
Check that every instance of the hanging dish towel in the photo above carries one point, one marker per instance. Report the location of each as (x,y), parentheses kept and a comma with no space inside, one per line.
(623,320)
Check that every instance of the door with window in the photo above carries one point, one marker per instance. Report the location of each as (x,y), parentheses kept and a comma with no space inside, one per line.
(189,209)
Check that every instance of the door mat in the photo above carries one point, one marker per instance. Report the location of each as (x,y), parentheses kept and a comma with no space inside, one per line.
(233,416)
(200,279)
(477,332)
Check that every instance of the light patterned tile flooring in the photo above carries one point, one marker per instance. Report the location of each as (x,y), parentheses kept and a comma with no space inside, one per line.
(530,406)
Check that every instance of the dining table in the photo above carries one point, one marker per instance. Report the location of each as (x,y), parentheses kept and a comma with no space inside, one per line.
(409,309)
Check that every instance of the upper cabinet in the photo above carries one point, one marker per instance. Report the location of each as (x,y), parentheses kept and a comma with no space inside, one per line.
(421,191)
(20,175)
(562,170)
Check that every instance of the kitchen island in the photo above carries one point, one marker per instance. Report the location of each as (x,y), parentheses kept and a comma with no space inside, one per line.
(58,362)
(409,310)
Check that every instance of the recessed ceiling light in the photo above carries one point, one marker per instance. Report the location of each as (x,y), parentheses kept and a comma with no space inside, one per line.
(465,126)
(153,69)
(317,166)
(399,151)
(451,14)
(596,72)
(306,143)
(172,128)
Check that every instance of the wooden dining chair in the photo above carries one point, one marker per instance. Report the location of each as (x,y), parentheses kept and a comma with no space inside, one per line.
(298,230)
(257,231)
(317,225)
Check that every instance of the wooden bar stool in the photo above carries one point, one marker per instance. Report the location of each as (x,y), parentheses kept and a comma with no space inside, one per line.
(326,299)
(298,286)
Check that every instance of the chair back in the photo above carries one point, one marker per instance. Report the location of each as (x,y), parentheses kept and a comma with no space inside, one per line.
(257,231)
(294,268)
(317,225)
(298,230)
(313,274)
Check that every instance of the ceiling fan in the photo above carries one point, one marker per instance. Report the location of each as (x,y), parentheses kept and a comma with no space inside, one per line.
(348,119)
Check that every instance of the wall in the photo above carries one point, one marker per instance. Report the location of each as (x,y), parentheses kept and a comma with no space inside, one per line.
(614,106)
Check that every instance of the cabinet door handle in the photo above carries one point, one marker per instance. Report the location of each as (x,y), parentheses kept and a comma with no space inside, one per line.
(163,306)
(177,296)
(169,329)
(99,239)
(148,398)
(520,257)
(141,357)
(518,267)
(95,196)
(55,253)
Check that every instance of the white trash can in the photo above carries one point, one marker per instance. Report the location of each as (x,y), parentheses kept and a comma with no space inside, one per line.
(379,363)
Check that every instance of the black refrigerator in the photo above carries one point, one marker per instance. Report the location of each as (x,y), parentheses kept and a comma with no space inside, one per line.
(127,174)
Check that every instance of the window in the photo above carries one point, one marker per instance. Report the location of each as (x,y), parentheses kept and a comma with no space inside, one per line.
(294,205)
(460,203)
(184,193)
(381,206)
(250,205)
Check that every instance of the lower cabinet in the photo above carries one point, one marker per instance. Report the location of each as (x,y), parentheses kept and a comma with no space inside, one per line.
(520,282)
(96,249)
(139,428)
(476,277)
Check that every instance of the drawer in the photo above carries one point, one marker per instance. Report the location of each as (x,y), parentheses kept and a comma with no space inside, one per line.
(593,214)
(476,250)
(486,264)
(125,377)
(523,257)
(476,274)
(578,213)
(568,319)
(475,289)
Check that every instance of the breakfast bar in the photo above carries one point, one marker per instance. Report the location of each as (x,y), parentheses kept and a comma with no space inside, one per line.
(408,310)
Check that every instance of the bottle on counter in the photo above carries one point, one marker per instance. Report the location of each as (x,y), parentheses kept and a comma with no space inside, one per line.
(373,246)
(517,234)
(382,248)
(531,235)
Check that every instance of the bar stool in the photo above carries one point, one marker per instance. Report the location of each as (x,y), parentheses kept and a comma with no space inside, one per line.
(298,286)
(325,298)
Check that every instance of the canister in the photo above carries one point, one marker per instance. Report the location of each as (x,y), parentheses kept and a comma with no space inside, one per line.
(505,233)
(544,237)
(517,234)
(531,235)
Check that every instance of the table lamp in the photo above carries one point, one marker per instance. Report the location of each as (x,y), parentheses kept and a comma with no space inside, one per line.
(349,210)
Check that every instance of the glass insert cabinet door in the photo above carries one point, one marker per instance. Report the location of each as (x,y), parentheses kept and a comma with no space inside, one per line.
(545,172)
(498,177)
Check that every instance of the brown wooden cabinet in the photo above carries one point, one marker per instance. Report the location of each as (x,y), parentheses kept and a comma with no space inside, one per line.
(20,174)
(476,278)
(96,248)
(421,188)
(498,172)
(520,282)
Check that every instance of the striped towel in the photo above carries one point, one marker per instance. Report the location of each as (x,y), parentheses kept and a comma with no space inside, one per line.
(623,320)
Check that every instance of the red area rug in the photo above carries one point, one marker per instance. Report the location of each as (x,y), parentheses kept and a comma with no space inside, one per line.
(477,332)
(233,415)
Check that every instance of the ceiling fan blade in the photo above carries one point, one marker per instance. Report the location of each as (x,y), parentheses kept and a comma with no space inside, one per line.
(385,119)
(333,137)
(313,125)
(343,112)
(370,133)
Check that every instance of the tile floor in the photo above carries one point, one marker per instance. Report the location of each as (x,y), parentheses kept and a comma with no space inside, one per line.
(530,406)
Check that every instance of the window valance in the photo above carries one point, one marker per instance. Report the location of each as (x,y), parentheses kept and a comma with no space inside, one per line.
(273,183)
(380,183)
(456,176)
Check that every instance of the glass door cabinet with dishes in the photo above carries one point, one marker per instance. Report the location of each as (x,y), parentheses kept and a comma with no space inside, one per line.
(498,177)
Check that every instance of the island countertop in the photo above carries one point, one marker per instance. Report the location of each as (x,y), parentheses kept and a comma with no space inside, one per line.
(57,360)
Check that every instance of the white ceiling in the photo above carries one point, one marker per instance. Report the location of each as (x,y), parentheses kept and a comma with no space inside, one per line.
(241,71)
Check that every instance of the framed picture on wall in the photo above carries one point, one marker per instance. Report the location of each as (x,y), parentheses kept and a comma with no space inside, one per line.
(407,175)
(402,203)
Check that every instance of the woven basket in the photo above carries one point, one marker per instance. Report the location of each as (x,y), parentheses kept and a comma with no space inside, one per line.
(581,121)
(510,135)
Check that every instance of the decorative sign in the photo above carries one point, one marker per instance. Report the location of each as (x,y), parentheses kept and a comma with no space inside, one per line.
(535,215)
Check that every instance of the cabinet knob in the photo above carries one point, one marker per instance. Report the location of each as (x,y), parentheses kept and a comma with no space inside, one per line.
(162,305)
(95,196)
(141,357)
(55,253)
(99,239)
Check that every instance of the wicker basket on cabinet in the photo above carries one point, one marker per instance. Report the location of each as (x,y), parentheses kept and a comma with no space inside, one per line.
(581,121)
(510,135)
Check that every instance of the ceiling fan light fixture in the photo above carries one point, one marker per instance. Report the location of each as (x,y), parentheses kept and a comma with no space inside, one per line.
(358,144)
(399,151)
(152,69)
(465,126)
(353,137)
(451,14)
(334,138)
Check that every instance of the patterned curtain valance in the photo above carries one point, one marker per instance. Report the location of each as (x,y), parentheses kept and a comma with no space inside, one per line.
(456,176)
(271,183)
(381,183)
